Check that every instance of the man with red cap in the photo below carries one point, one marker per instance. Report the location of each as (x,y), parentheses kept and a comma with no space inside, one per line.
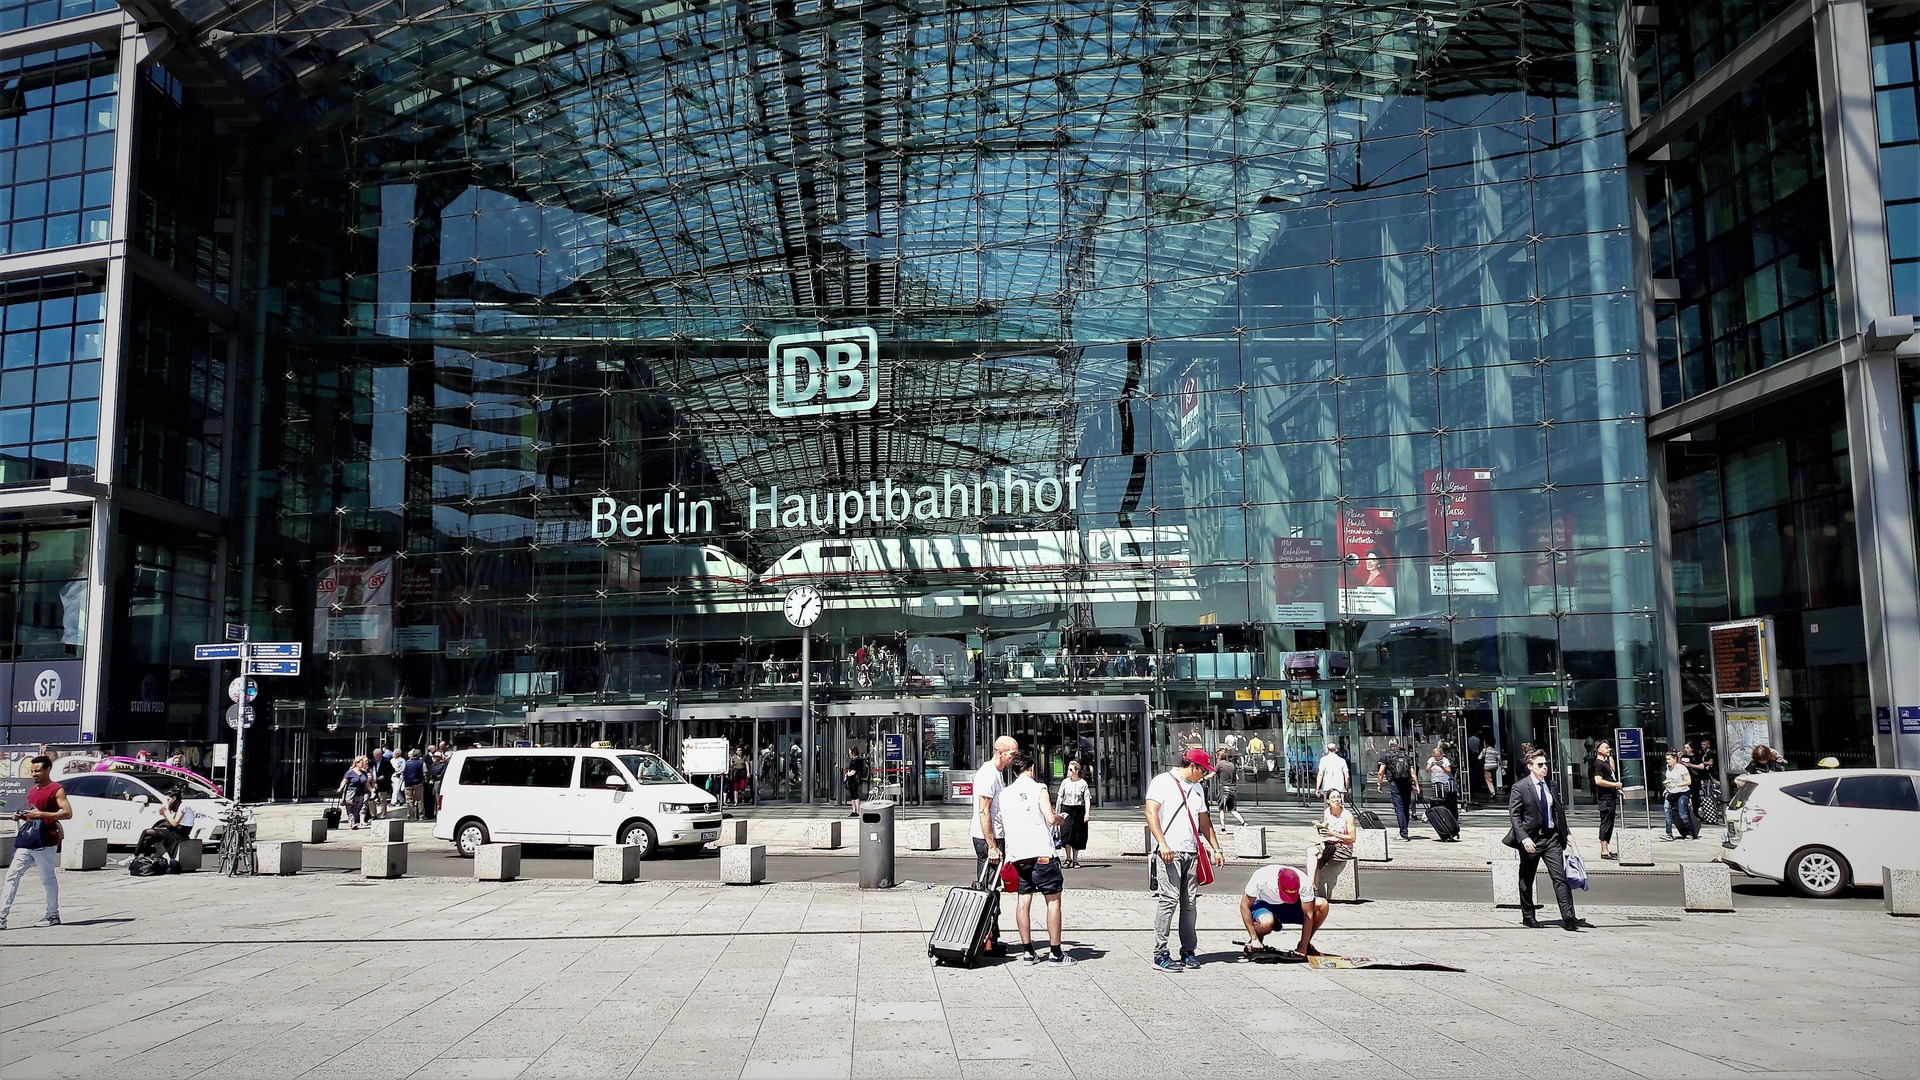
(1276,896)
(1177,816)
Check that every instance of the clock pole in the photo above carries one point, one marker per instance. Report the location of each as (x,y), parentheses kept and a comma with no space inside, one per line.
(806,714)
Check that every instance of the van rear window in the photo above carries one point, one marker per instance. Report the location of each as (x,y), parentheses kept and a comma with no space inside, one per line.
(517,770)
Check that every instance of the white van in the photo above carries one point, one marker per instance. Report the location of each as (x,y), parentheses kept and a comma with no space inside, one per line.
(572,796)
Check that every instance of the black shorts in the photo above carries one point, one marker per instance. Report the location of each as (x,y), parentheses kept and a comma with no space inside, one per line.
(1229,800)
(1040,875)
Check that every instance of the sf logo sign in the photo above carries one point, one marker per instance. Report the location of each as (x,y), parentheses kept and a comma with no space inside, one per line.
(830,372)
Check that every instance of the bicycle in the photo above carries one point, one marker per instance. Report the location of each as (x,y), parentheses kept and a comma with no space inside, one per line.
(236,844)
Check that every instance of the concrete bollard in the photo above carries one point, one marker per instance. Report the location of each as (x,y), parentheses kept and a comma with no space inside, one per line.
(87,854)
(1135,839)
(278,858)
(1506,883)
(617,864)
(733,831)
(1339,881)
(496,862)
(311,831)
(824,834)
(923,836)
(1371,845)
(1902,889)
(392,830)
(190,854)
(6,850)
(1709,886)
(383,860)
(1497,850)
(1635,846)
(1250,842)
(744,864)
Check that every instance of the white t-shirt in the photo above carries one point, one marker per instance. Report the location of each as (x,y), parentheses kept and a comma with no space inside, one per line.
(1019,812)
(1333,773)
(1073,793)
(1264,886)
(986,785)
(1437,770)
(1174,822)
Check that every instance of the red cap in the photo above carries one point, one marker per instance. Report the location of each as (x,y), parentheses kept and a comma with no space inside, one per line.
(1197,756)
(1289,882)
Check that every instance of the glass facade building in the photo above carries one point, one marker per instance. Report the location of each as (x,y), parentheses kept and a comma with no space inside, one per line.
(1252,376)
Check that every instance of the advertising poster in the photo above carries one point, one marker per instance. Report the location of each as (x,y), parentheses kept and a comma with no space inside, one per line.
(1366,561)
(1188,409)
(1299,581)
(1459,523)
(353,606)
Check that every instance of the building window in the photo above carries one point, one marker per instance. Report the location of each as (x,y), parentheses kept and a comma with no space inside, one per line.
(50,378)
(43,592)
(56,168)
(19,14)
(1897,95)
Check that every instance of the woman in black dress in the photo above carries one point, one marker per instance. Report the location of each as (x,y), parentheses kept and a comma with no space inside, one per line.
(1076,800)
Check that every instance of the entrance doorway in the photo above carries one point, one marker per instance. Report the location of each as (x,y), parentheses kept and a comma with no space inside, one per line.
(765,735)
(1107,735)
(910,745)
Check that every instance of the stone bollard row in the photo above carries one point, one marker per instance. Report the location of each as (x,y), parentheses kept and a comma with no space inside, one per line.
(1250,842)
(923,836)
(1506,884)
(1708,886)
(310,831)
(733,831)
(1370,845)
(619,864)
(496,862)
(1339,881)
(383,860)
(83,854)
(1902,890)
(191,855)
(823,835)
(278,858)
(743,864)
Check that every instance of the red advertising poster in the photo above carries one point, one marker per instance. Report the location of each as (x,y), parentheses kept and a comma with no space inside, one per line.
(1299,581)
(1460,523)
(1366,561)
(1191,418)
(353,604)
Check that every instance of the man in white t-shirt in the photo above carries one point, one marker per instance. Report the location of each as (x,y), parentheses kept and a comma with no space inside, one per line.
(1177,815)
(1276,896)
(1027,815)
(1333,773)
(986,826)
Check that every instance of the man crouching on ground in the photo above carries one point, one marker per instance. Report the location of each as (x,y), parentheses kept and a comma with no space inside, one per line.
(1276,896)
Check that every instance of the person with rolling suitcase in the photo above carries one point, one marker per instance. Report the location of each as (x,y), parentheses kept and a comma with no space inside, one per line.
(987,829)
(1443,812)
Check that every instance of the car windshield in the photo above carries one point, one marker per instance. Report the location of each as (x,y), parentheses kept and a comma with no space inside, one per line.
(650,770)
(169,782)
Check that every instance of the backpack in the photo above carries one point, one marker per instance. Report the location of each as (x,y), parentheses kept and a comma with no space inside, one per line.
(146,866)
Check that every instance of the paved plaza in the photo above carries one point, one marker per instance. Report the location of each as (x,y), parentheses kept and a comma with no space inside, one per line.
(325,975)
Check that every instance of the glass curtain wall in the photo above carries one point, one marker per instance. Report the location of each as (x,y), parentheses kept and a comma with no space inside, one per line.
(1173,354)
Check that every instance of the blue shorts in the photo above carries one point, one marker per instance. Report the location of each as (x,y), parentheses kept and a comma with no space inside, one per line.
(1282,915)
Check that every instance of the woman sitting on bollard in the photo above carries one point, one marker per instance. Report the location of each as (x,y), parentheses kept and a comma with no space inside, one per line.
(1338,830)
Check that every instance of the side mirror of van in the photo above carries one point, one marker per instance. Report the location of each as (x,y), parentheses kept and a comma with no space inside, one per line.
(617,782)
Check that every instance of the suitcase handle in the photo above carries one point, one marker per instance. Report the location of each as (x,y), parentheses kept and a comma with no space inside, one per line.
(987,873)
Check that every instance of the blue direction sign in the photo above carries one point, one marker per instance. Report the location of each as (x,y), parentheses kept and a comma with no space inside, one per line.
(236,631)
(1910,719)
(896,747)
(273,667)
(1882,720)
(1628,745)
(274,650)
(219,652)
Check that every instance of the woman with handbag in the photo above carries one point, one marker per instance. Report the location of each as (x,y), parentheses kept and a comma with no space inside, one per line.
(353,790)
(1445,791)
(38,842)
(1076,803)
(1679,789)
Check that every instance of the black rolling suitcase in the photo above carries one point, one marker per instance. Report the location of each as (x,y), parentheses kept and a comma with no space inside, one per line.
(1445,825)
(1367,819)
(968,916)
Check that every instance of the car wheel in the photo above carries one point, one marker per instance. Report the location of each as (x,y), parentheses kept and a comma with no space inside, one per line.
(469,838)
(640,835)
(1818,872)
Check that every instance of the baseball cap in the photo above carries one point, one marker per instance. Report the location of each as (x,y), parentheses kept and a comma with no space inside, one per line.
(1289,884)
(1197,756)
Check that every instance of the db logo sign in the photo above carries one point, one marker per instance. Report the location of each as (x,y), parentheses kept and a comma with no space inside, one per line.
(831,372)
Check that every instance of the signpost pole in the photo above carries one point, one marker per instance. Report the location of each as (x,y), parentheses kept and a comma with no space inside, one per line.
(806,714)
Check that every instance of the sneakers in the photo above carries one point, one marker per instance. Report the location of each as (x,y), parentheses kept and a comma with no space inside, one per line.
(1033,957)
(51,920)
(1059,958)
(1245,957)
(1188,960)
(1166,963)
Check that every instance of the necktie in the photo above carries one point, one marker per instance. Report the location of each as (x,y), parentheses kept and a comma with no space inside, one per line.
(1546,805)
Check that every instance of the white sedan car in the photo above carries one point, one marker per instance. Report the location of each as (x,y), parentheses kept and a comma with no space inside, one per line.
(122,805)
(1824,829)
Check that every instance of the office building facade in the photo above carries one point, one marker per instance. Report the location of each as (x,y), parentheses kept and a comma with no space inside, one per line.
(1125,377)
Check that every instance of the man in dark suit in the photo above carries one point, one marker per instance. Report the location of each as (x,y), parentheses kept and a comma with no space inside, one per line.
(1539,830)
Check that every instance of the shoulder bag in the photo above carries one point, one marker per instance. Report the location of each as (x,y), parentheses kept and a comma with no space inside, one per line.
(1203,865)
(1576,868)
